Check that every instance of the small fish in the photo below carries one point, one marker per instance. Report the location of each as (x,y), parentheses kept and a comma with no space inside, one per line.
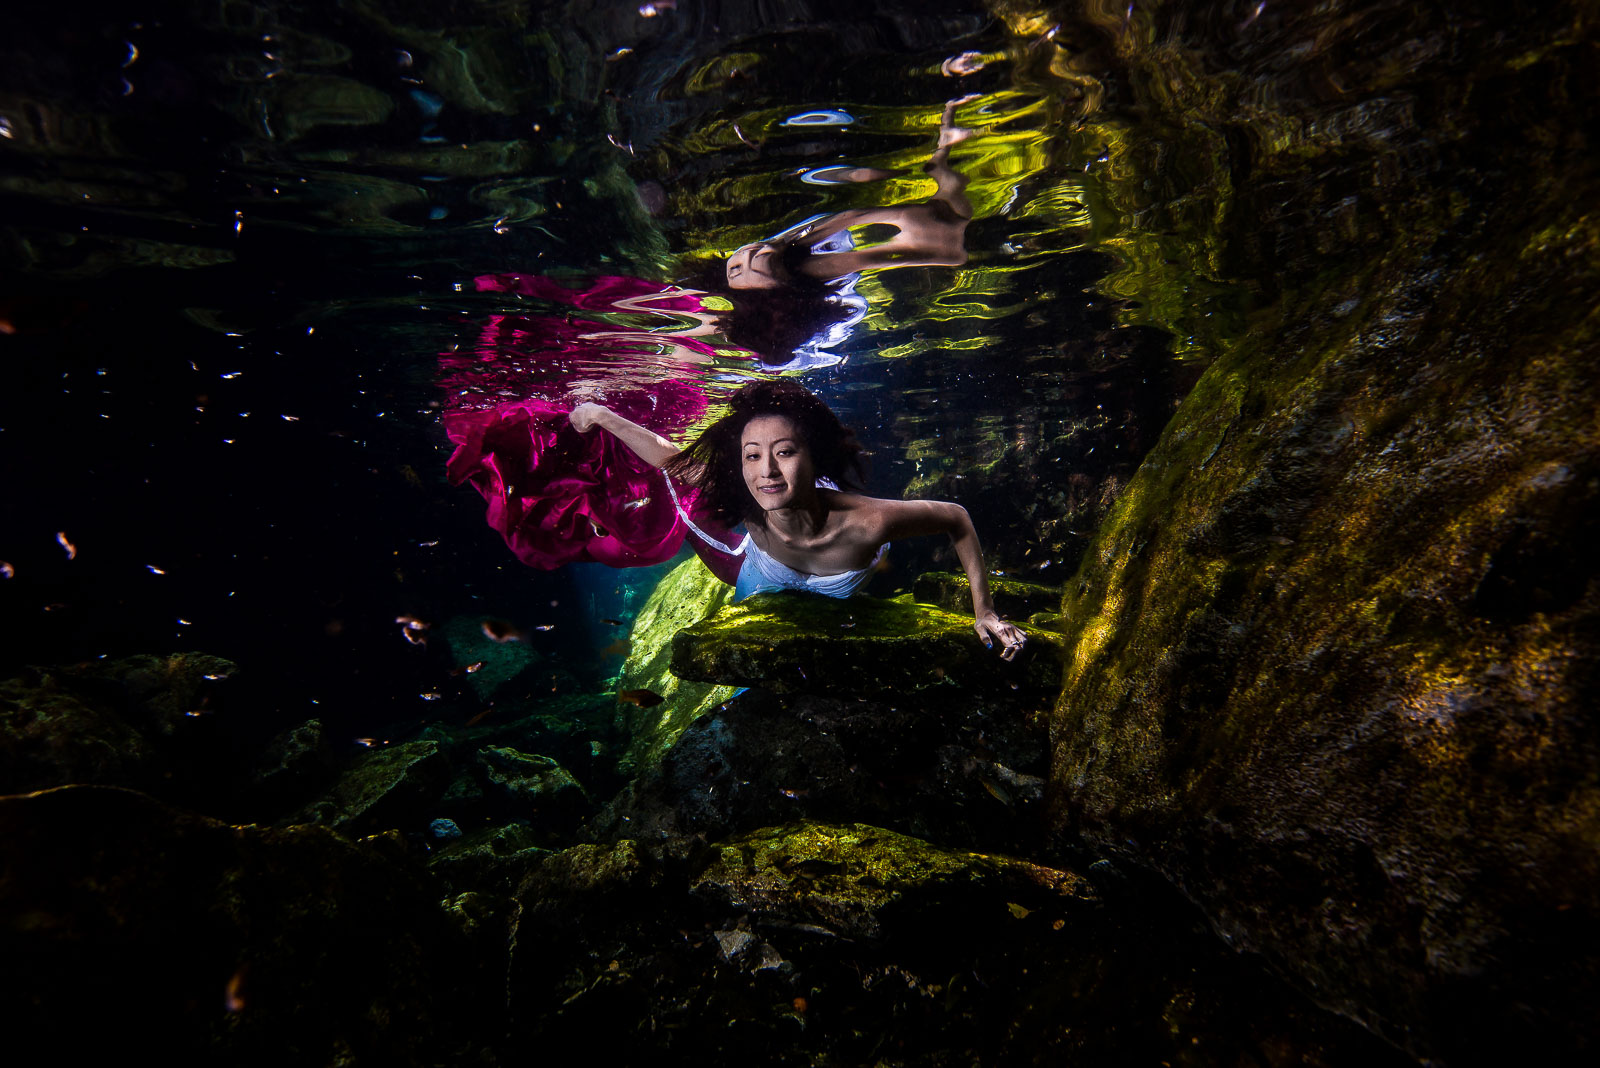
(473,667)
(642,698)
(640,503)
(620,647)
(367,742)
(431,695)
(233,993)
(995,792)
(498,630)
(411,628)
(154,569)
(479,718)
(72,550)
(545,626)
(7,571)
(1017,910)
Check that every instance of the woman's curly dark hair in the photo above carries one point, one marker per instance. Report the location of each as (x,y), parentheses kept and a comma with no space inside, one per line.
(774,323)
(714,464)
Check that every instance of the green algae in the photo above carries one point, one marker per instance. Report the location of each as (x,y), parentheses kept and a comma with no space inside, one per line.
(850,879)
(1013,599)
(686,595)
(863,646)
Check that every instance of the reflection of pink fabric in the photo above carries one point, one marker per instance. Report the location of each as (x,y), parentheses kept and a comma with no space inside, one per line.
(555,495)
(605,293)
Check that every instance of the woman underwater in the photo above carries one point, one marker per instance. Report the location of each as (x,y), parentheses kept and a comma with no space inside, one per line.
(774,463)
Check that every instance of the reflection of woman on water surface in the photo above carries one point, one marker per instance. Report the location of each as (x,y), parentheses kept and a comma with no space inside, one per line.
(821,250)
(774,463)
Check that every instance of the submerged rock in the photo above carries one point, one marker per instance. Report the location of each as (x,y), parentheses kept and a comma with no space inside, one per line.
(494,664)
(492,859)
(969,772)
(295,763)
(219,944)
(50,737)
(535,786)
(1012,599)
(849,944)
(863,646)
(161,695)
(394,786)
(863,882)
(688,594)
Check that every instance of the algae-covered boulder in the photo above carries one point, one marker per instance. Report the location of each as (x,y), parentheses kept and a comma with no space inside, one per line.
(867,647)
(219,944)
(865,882)
(535,787)
(394,786)
(492,859)
(688,594)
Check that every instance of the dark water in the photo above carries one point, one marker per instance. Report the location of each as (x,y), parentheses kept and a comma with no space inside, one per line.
(257,260)
(239,236)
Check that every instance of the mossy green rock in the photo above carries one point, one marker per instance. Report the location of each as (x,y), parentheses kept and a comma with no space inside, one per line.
(802,643)
(1012,599)
(688,594)
(493,858)
(857,881)
(390,787)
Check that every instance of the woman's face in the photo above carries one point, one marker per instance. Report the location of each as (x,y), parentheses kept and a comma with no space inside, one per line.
(777,465)
(754,267)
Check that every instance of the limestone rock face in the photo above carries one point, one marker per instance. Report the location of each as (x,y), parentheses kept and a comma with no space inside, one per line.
(863,646)
(218,944)
(1333,658)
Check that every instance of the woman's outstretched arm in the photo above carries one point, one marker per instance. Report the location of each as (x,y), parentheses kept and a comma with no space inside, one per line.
(649,446)
(902,519)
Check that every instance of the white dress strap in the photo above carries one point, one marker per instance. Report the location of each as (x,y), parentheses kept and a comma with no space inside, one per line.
(690,523)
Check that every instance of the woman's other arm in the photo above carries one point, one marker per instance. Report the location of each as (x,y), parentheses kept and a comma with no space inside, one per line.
(649,446)
(903,519)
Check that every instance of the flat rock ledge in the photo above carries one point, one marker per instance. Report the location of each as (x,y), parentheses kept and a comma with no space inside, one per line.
(799,643)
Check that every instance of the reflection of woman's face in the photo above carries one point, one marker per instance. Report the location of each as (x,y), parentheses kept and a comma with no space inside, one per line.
(777,465)
(754,267)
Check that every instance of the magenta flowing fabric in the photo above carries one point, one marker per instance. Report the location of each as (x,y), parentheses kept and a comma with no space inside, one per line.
(555,495)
